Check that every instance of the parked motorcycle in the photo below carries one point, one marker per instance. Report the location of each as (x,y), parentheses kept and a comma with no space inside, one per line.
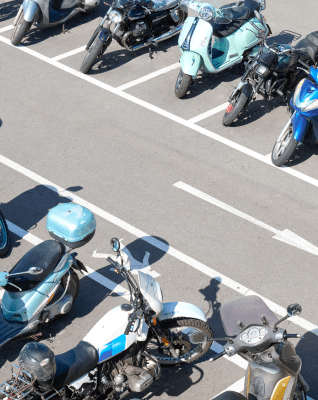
(232,27)
(138,24)
(302,126)
(47,13)
(43,284)
(273,366)
(273,72)
(122,353)
(4,236)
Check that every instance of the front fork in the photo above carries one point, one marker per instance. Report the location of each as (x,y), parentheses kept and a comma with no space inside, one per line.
(98,29)
(157,328)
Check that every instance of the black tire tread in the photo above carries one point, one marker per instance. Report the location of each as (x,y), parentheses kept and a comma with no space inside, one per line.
(21,32)
(281,160)
(229,118)
(7,247)
(91,55)
(184,85)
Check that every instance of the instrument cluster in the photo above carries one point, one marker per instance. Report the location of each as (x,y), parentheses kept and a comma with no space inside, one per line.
(254,335)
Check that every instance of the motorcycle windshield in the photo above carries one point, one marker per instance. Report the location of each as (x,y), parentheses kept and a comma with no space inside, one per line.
(246,311)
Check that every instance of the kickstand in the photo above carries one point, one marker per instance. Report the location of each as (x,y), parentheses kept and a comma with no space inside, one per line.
(151,52)
(63,28)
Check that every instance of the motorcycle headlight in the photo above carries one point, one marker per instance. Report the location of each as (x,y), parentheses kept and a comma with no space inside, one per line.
(115,16)
(311,106)
(262,71)
(206,13)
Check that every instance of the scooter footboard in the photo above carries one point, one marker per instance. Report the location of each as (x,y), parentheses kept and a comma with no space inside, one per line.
(30,8)
(300,126)
(190,63)
(178,309)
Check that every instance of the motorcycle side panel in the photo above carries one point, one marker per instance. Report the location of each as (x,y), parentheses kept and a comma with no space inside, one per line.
(30,8)
(185,30)
(108,337)
(300,126)
(190,63)
(21,306)
(179,309)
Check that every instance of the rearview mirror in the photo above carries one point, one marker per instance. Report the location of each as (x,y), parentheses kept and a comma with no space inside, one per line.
(115,243)
(294,309)
(35,271)
(258,16)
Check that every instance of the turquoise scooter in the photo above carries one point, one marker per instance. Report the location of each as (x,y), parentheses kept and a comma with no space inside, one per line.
(233,27)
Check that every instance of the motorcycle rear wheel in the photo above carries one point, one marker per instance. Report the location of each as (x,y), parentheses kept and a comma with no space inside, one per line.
(284,147)
(4,236)
(93,52)
(178,331)
(20,30)
(235,107)
(182,84)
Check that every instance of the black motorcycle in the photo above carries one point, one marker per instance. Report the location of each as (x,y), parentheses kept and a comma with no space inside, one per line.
(138,24)
(274,71)
(4,236)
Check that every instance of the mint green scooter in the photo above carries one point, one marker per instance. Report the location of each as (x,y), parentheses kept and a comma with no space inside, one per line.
(218,38)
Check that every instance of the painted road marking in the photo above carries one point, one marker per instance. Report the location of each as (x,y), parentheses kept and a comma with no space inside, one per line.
(164,113)
(209,113)
(236,387)
(285,236)
(149,76)
(6,28)
(69,53)
(157,243)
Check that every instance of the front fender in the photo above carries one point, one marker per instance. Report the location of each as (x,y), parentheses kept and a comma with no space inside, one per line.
(190,63)
(30,8)
(300,126)
(178,309)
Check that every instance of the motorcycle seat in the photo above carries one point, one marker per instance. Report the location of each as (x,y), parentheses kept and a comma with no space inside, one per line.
(74,363)
(309,44)
(45,255)
(230,396)
(241,14)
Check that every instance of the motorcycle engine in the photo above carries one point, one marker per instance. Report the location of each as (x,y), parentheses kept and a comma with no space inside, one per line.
(139,28)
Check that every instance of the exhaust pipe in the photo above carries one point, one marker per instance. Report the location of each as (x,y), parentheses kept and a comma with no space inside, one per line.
(166,35)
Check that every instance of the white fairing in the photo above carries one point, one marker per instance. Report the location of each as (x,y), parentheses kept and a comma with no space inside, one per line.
(151,291)
(108,337)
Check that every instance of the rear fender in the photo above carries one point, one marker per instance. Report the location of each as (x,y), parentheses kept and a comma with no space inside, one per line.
(300,126)
(178,309)
(30,8)
(190,63)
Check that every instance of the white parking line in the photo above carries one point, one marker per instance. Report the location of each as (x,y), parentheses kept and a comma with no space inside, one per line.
(149,76)
(6,28)
(236,387)
(166,114)
(69,53)
(208,114)
(157,243)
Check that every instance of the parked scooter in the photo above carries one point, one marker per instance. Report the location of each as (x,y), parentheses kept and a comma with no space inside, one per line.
(4,236)
(302,127)
(43,284)
(47,13)
(273,366)
(275,71)
(122,353)
(138,24)
(233,28)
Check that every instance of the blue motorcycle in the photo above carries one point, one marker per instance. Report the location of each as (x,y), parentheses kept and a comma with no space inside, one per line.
(302,127)
(43,284)
(4,236)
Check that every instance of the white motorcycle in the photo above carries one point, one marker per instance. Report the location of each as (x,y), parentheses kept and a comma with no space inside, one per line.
(123,351)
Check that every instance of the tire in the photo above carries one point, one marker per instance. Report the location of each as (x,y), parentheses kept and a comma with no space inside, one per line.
(178,330)
(182,84)
(284,146)
(20,30)
(93,52)
(91,40)
(236,106)
(4,236)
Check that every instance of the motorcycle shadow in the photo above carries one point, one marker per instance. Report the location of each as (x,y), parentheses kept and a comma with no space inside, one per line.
(307,350)
(301,154)
(9,10)
(114,59)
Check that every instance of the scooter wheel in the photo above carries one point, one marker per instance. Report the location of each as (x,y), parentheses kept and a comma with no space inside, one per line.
(20,30)
(4,236)
(284,147)
(182,84)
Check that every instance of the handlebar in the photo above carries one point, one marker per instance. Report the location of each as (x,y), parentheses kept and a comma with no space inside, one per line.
(112,262)
(292,335)
(218,356)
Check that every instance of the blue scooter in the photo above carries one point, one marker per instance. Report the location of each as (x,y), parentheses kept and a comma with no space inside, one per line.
(43,284)
(302,127)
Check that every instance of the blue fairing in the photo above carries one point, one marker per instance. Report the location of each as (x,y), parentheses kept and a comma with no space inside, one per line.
(112,348)
(307,94)
(3,280)
(314,73)
(300,126)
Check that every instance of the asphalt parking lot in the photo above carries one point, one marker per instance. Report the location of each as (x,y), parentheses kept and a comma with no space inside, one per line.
(151,165)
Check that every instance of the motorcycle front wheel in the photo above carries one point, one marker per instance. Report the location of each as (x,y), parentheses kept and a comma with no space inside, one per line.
(4,236)
(236,105)
(182,84)
(20,30)
(284,146)
(181,332)
(98,47)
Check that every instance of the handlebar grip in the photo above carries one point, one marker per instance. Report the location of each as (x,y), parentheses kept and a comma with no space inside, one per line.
(112,261)
(292,335)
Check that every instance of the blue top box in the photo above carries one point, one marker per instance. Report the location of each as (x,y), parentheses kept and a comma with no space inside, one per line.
(71,224)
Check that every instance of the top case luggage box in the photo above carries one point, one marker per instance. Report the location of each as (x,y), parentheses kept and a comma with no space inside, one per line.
(71,224)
